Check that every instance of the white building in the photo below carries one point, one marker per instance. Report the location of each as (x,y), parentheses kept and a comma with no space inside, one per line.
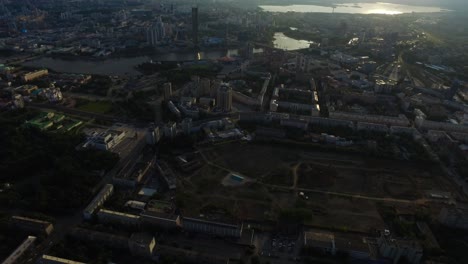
(105,140)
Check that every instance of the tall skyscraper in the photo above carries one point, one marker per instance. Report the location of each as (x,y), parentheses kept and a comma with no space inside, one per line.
(167,90)
(224,98)
(156,33)
(195,25)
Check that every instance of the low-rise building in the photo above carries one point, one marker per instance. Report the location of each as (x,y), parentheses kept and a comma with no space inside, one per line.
(20,252)
(443,126)
(138,173)
(217,228)
(98,200)
(138,205)
(35,226)
(356,246)
(398,130)
(47,259)
(167,175)
(141,244)
(456,217)
(395,249)
(114,217)
(100,238)
(105,140)
(34,75)
(363,126)
(160,219)
(322,241)
(401,120)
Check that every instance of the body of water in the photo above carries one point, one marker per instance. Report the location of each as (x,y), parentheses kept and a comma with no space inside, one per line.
(121,66)
(355,8)
(284,42)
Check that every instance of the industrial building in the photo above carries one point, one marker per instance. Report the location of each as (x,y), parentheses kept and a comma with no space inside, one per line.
(98,201)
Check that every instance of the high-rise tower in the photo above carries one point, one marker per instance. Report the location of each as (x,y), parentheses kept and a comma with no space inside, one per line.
(195,25)
(224,98)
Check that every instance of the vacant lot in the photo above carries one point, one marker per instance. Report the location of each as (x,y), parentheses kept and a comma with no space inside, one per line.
(341,187)
(282,165)
(312,175)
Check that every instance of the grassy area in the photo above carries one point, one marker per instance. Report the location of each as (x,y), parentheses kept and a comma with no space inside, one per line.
(283,176)
(99,107)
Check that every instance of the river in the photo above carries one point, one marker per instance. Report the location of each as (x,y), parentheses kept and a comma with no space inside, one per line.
(126,65)
(120,66)
(284,42)
(354,8)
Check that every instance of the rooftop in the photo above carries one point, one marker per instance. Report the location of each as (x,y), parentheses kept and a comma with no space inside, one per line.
(52,259)
(105,211)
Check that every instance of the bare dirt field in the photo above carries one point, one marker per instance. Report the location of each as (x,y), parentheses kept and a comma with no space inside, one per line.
(328,171)
(343,190)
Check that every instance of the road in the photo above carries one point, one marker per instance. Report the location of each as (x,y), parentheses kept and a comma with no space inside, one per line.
(348,195)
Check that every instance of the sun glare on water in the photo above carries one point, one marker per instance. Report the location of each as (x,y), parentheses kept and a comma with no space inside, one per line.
(384,12)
